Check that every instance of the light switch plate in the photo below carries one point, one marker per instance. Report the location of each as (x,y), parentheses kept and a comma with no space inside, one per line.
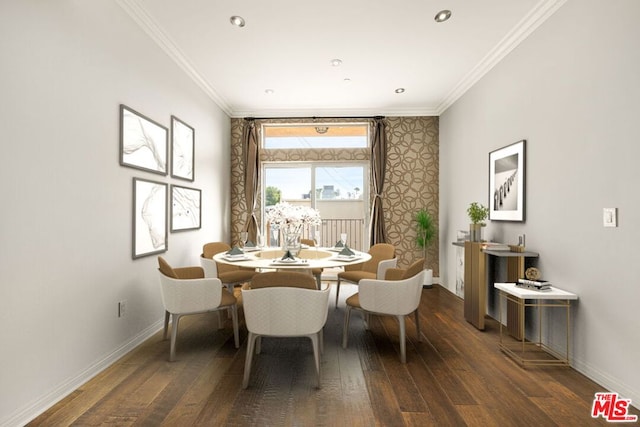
(610,217)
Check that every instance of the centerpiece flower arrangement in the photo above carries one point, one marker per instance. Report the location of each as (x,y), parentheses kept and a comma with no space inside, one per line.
(291,219)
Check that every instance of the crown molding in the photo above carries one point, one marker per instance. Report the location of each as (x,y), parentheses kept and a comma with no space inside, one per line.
(352,112)
(142,18)
(517,35)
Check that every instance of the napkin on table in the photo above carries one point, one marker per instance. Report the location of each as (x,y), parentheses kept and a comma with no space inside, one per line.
(249,244)
(346,251)
(287,256)
(339,244)
(235,251)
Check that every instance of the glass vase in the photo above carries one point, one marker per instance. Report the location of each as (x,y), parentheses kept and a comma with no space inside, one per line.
(291,243)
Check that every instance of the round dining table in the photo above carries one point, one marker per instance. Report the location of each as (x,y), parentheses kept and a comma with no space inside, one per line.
(307,259)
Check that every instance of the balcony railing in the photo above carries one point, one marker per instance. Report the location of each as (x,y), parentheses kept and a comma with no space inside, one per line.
(331,229)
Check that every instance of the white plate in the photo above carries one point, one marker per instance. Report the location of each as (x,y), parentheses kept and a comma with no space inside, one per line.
(236,257)
(347,257)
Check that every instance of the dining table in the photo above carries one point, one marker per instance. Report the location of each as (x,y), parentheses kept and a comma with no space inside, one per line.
(270,258)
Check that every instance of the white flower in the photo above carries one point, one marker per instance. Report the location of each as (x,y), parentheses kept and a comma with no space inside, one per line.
(292,218)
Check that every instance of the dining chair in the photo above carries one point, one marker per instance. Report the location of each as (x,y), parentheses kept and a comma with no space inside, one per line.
(230,275)
(186,291)
(316,272)
(397,298)
(284,304)
(382,258)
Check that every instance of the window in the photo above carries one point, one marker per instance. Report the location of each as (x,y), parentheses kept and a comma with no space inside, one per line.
(316,136)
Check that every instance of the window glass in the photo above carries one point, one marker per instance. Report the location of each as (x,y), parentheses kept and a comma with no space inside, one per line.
(316,136)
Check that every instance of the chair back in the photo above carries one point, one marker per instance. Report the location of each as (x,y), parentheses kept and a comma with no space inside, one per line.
(188,295)
(285,311)
(378,252)
(400,274)
(290,279)
(400,297)
(212,248)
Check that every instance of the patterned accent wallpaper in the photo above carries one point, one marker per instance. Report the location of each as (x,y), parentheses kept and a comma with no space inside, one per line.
(411,178)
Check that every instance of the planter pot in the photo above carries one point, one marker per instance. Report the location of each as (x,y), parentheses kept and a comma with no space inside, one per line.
(428,278)
(475,232)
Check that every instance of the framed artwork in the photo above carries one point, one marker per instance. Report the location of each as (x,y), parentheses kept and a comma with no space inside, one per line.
(143,142)
(182,150)
(149,217)
(185,208)
(507,183)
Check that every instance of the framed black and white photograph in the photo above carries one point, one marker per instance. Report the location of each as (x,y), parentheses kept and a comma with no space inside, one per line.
(507,183)
(149,217)
(185,208)
(143,142)
(182,150)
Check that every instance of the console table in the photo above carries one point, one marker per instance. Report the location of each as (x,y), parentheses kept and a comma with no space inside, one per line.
(475,284)
(533,353)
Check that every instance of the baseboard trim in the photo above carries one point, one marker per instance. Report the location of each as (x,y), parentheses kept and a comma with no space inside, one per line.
(29,412)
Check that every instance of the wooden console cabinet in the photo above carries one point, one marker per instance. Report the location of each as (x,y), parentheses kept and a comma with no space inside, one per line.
(475,284)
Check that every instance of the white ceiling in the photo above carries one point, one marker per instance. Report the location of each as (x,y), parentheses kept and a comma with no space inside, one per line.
(288,45)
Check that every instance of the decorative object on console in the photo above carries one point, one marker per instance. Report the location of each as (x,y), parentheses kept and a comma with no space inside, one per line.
(507,183)
(182,150)
(143,142)
(477,214)
(532,273)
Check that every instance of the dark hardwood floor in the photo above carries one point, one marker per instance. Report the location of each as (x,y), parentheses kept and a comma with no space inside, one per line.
(455,376)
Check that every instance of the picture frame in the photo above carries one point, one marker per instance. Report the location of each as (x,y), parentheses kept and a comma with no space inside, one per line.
(182,150)
(149,217)
(507,177)
(185,208)
(143,142)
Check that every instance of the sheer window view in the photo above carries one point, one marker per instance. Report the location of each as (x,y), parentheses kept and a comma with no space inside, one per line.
(338,190)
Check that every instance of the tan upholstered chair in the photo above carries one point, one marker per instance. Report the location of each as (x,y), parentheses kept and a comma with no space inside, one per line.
(186,291)
(317,272)
(382,258)
(284,304)
(230,275)
(397,298)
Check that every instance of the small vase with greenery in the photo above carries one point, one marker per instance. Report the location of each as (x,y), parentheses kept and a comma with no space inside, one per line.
(425,233)
(477,214)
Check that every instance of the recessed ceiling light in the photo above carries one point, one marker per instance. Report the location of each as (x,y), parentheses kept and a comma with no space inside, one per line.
(336,62)
(400,90)
(347,81)
(238,21)
(443,15)
(268,91)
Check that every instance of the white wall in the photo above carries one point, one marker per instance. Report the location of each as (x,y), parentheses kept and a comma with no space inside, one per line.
(572,91)
(65,222)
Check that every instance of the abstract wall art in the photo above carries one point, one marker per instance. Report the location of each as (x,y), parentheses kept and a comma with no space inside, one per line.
(143,142)
(149,217)
(182,149)
(185,208)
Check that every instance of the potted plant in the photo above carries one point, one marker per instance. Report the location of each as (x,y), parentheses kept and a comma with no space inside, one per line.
(477,214)
(425,233)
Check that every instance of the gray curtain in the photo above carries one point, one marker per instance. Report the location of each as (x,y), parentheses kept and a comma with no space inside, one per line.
(251,177)
(378,232)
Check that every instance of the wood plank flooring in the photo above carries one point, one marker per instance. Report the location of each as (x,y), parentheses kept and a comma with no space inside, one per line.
(456,376)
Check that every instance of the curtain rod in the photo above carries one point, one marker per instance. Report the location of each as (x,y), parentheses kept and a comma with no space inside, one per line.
(313,118)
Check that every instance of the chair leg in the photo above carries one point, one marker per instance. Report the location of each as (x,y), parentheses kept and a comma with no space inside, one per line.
(248,359)
(337,291)
(403,349)
(234,319)
(316,357)
(345,330)
(258,345)
(319,281)
(418,325)
(321,335)
(175,318)
(166,324)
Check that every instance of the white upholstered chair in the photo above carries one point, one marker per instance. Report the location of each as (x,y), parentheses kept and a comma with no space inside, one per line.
(382,258)
(186,291)
(230,275)
(397,298)
(273,307)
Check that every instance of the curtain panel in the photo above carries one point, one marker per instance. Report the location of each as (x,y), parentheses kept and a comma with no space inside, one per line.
(378,233)
(251,177)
